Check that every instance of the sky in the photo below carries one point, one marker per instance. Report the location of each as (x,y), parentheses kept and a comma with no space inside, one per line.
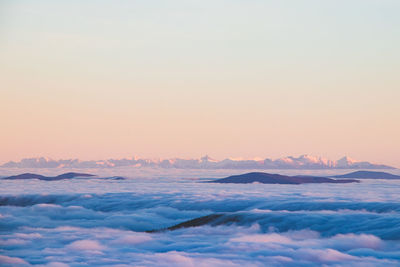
(228,78)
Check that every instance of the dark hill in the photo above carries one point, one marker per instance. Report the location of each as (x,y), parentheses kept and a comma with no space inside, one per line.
(368,175)
(191,223)
(268,178)
(26,176)
(68,175)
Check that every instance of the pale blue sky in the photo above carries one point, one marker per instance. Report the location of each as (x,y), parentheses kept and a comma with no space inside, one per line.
(98,79)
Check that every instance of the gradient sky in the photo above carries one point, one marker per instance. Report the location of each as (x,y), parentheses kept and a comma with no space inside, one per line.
(229,78)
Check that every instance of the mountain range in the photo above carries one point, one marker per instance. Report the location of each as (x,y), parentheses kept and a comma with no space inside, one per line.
(301,162)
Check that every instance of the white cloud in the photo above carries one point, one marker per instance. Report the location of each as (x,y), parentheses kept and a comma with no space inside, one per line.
(85,245)
(56,224)
(12,260)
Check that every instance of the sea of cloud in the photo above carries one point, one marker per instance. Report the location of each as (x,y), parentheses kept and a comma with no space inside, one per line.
(101,222)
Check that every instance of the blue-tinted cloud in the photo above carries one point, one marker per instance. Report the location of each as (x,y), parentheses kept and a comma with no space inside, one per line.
(257,225)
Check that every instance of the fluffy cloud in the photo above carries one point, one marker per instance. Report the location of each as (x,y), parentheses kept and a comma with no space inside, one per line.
(85,245)
(12,260)
(103,223)
(133,239)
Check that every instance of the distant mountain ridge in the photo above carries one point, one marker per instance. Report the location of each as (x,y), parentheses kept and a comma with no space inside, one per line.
(301,162)
(269,178)
(68,175)
(369,175)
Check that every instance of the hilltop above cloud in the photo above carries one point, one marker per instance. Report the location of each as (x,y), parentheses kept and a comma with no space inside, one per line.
(68,175)
(269,178)
(301,162)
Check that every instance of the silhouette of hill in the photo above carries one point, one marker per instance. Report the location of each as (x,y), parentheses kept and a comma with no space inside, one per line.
(368,175)
(68,175)
(268,178)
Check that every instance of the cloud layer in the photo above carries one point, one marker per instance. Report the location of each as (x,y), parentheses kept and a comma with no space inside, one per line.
(104,223)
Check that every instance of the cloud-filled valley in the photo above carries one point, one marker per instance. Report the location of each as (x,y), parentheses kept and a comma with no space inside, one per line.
(124,223)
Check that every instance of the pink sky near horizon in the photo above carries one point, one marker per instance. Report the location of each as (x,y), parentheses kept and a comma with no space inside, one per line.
(260,79)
